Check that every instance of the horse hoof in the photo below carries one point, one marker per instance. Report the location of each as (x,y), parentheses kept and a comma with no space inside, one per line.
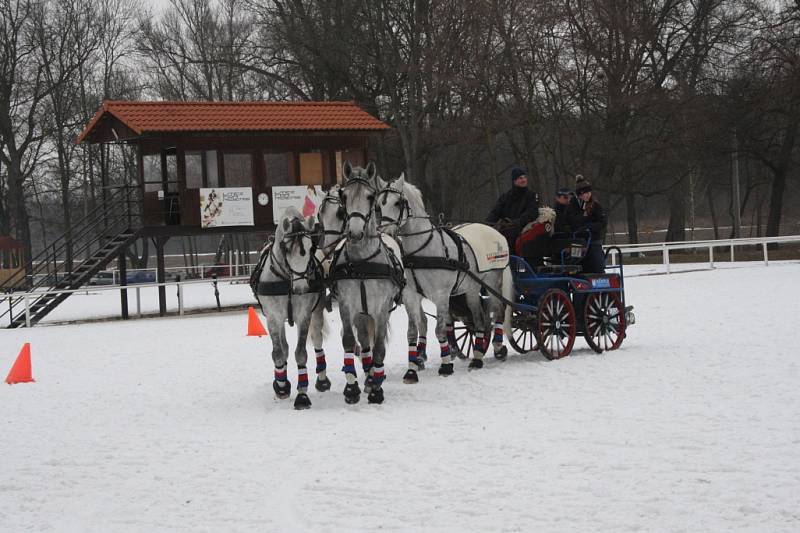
(302,401)
(446,369)
(369,386)
(420,364)
(410,377)
(475,364)
(422,354)
(352,393)
(323,384)
(501,353)
(458,353)
(282,392)
(375,396)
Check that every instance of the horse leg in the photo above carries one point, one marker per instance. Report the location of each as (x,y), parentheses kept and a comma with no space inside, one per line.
(302,400)
(280,384)
(379,354)
(315,330)
(479,321)
(363,324)
(352,392)
(413,304)
(422,337)
(446,367)
(500,351)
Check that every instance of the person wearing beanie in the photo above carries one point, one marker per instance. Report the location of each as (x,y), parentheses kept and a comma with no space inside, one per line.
(515,208)
(592,219)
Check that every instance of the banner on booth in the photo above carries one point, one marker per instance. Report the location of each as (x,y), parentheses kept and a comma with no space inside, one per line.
(226,206)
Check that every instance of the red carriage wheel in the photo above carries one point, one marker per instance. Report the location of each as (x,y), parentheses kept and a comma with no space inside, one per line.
(465,340)
(603,321)
(556,324)
(523,332)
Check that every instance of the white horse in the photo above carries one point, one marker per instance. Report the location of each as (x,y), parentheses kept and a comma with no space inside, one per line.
(367,278)
(288,283)
(442,268)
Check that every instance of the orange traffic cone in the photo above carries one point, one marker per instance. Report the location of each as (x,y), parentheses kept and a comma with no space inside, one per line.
(21,371)
(254,326)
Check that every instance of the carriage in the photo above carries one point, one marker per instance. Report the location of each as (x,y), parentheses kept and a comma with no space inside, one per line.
(554,303)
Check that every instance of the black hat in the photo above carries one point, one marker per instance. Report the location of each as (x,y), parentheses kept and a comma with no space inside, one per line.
(563,191)
(582,185)
(516,172)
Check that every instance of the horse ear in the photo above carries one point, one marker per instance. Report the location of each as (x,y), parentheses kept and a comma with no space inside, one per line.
(285,224)
(401,180)
(371,170)
(310,223)
(347,170)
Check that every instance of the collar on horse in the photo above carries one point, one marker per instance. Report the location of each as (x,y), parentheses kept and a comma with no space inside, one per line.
(284,285)
(364,269)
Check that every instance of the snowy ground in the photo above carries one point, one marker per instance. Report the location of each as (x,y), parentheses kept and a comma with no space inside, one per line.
(170,425)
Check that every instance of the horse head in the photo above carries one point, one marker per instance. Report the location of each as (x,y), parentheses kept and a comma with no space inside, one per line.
(295,239)
(391,205)
(358,198)
(332,217)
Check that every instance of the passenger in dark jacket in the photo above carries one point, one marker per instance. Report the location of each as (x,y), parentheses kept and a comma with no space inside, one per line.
(592,219)
(567,212)
(515,208)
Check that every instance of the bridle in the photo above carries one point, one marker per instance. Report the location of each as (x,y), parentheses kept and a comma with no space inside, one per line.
(405,210)
(368,184)
(341,214)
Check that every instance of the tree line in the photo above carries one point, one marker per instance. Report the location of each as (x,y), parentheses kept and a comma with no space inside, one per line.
(669,107)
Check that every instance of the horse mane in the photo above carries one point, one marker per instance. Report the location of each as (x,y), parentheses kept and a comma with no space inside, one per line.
(414,198)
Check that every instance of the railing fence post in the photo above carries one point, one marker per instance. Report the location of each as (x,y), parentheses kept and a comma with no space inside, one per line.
(27,311)
(180,298)
(733,258)
(711,256)
(139,302)
(766,257)
(665,253)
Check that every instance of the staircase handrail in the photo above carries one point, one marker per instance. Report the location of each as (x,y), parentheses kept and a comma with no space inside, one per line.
(79,229)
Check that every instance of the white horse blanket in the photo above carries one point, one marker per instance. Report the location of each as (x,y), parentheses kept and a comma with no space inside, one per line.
(488,245)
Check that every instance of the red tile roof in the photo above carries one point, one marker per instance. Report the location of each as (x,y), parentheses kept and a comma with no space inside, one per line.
(152,117)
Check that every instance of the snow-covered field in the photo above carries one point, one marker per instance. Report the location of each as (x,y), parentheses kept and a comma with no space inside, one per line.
(171,425)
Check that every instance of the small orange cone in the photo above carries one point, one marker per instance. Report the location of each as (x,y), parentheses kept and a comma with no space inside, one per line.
(254,326)
(21,371)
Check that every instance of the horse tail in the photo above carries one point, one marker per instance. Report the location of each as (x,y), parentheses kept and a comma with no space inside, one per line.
(508,294)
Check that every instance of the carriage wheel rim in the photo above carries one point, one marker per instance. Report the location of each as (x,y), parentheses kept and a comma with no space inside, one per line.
(557,324)
(604,321)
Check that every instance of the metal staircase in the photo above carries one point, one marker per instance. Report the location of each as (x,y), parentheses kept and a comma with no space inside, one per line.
(102,235)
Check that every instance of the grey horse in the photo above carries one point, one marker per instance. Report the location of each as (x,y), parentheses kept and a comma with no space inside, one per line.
(367,278)
(439,266)
(288,283)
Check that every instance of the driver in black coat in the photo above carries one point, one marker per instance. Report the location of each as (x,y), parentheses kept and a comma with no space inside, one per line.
(515,208)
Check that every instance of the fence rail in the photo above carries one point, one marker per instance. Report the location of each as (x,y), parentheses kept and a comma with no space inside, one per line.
(666,247)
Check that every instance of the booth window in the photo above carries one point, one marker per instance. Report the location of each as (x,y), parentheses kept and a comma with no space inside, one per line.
(151,167)
(238,169)
(277,168)
(311,168)
(194,169)
(212,172)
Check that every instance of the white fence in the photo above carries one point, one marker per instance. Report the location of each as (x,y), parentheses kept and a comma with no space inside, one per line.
(666,247)
(29,296)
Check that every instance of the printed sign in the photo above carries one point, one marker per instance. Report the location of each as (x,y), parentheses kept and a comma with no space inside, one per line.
(226,206)
(305,198)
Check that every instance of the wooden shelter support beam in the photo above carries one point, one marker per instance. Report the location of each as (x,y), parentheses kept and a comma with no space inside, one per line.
(161,275)
(122,268)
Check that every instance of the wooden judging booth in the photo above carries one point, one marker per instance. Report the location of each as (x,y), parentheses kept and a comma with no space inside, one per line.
(224,167)
(186,149)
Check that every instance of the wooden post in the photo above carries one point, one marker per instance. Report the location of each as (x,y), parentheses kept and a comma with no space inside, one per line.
(161,275)
(122,267)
